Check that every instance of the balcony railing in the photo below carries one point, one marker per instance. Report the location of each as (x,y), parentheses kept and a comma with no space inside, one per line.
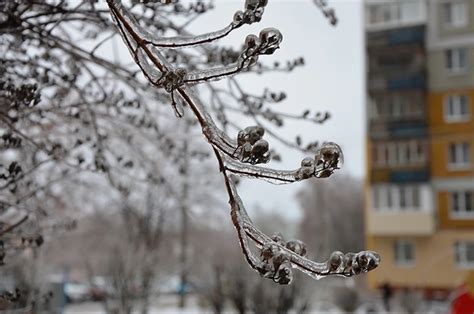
(394,37)
(408,223)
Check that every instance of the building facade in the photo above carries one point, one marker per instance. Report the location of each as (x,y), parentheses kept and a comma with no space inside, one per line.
(420,146)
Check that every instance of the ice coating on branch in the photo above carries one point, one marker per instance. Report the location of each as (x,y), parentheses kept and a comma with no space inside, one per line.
(268,41)
(277,257)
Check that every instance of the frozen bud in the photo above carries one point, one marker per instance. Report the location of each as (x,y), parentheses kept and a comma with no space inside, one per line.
(241,137)
(257,130)
(255,133)
(356,269)
(253,4)
(266,270)
(304,173)
(367,260)
(268,251)
(348,259)
(331,155)
(251,41)
(284,273)
(279,258)
(278,238)
(297,246)
(335,261)
(307,162)
(260,148)
(238,17)
(246,150)
(270,39)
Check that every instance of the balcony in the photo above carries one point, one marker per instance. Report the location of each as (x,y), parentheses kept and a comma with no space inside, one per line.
(397,37)
(399,82)
(406,36)
(410,223)
(405,175)
(403,127)
(382,15)
(406,129)
(409,81)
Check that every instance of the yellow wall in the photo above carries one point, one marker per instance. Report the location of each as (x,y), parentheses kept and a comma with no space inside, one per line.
(443,133)
(445,221)
(439,146)
(436,122)
(434,261)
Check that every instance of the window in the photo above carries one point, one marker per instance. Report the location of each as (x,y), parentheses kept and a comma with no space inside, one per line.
(456,108)
(398,106)
(459,156)
(455,14)
(456,60)
(404,253)
(404,197)
(395,12)
(464,254)
(462,204)
(384,13)
(400,153)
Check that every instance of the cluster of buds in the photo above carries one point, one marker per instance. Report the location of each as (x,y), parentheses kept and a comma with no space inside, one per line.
(276,263)
(327,159)
(266,43)
(351,263)
(253,13)
(173,79)
(251,146)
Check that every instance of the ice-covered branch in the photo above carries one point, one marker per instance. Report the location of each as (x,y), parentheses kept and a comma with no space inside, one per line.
(253,13)
(278,257)
(240,156)
(326,161)
(268,41)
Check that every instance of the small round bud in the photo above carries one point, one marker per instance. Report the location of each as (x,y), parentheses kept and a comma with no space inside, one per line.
(297,246)
(335,260)
(251,41)
(238,17)
(307,162)
(260,148)
(270,38)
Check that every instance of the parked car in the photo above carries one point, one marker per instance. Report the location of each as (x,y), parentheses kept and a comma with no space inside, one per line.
(77,292)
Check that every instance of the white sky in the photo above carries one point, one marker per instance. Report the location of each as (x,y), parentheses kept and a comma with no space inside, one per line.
(332,80)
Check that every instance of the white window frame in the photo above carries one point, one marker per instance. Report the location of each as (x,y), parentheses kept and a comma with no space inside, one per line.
(399,256)
(463,212)
(399,154)
(457,17)
(459,163)
(454,102)
(456,66)
(388,198)
(461,256)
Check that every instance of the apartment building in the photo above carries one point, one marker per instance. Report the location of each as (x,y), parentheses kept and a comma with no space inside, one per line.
(420,146)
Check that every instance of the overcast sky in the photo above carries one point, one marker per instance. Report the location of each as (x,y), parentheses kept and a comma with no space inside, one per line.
(332,80)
